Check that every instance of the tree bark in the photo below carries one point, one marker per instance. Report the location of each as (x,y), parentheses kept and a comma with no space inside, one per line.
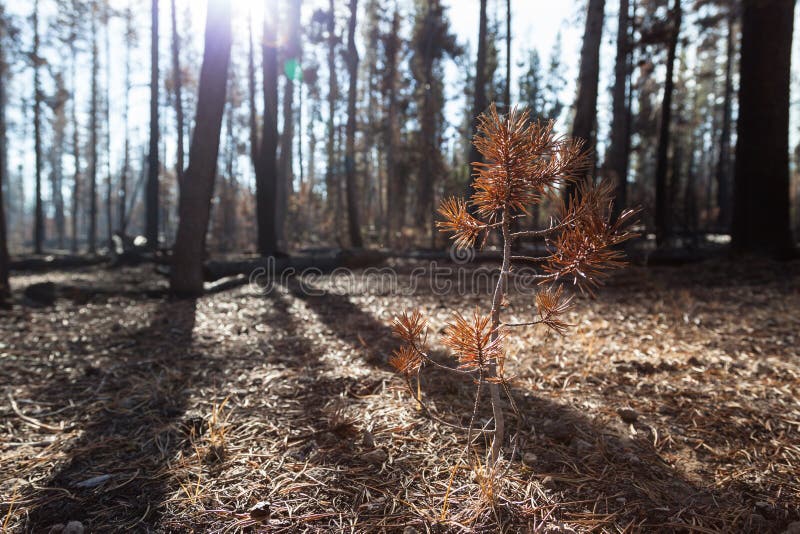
(396,180)
(197,187)
(107,117)
(38,225)
(59,126)
(228,198)
(123,177)
(267,168)
(761,197)
(507,92)
(724,162)
(251,92)
(583,125)
(331,176)
(5,287)
(617,159)
(371,176)
(285,170)
(151,195)
(178,80)
(662,218)
(479,95)
(93,142)
(76,152)
(427,145)
(353,223)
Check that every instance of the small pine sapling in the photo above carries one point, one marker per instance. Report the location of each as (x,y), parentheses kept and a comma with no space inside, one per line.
(523,162)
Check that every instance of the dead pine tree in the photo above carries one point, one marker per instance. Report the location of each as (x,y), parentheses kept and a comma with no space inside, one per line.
(522,161)
(267,164)
(761,222)
(94,148)
(197,186)
(584,124)
(479,91)
(353,221)
(662,212)
(5,288)
(38,223)
(151,189)
(177,75)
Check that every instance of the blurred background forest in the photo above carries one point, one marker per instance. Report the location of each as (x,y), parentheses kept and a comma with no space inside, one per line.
(374,102)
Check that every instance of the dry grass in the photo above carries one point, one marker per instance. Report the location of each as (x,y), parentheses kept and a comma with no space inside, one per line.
(139,414)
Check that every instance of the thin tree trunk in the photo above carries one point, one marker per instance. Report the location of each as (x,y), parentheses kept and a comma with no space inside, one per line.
(251,94)
(178,80)
(395,187)
(93,142)
(285,170)
(38,225)
(76,154)
(123,178)
(300,164)
(497,303)
(5,287)
(761,221)
(662,161)
(228,200)
(507,93)
(312,159)
(427,142)
(331,177)
(56,155)
(479,95)
(583,126)
(690,194)
(370,177)
(107,112)
(151,195)
(353,223)
(724,161)
(629,100)
(617,160)
(197,187)
(267,168)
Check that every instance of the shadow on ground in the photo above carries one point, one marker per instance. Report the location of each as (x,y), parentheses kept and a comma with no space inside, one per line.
(578,460)
(117,471)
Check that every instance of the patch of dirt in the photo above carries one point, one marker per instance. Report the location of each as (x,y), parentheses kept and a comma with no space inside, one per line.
(673,404)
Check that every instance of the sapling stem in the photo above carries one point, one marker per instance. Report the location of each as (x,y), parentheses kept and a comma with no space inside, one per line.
(497,302)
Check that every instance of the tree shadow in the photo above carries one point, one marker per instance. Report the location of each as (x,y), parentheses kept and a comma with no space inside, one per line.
(137,422)
(578,458)
(117,471)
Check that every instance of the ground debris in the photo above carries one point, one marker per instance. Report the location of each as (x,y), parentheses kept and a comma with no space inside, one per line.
(194,410)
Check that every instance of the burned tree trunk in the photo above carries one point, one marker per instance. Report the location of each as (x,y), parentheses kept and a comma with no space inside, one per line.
(5,288)
(353,223)
(197,186)
(662,218)
(723,174)
(267,166)
(178,79)
(151,194)
(479,94)
(93,142)
(617,159)
(584,124)
(285,170)
(761,202)
(395,180)
(38,223)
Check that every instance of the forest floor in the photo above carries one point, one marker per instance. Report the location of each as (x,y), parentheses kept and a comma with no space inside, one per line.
(672,405)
